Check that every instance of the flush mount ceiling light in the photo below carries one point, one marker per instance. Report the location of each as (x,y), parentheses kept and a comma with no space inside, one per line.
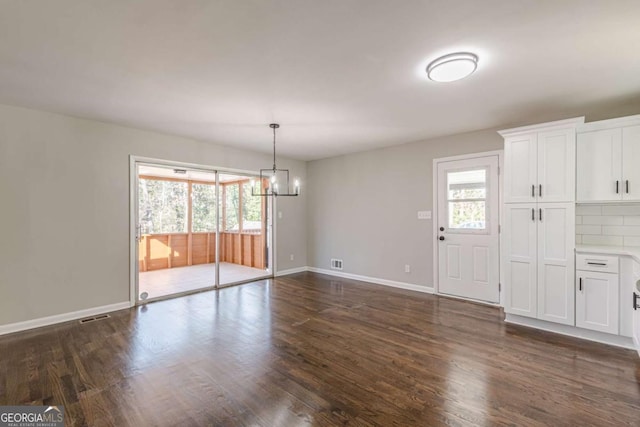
(452,67)
(274,181)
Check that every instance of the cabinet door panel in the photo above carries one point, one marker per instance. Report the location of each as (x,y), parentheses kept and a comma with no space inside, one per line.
(556,262)
(520,168)
(631,162)
(519,258)
(597,301)
(556,166)
(599,165)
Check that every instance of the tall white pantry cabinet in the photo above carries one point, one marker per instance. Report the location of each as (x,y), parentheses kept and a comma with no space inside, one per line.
(538,235)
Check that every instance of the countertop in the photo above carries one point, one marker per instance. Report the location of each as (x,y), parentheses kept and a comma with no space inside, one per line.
(631,251)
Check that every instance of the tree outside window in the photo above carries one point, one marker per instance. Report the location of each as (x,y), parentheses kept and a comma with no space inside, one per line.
(251,210)
(163,206)
(232,207)
(203,198)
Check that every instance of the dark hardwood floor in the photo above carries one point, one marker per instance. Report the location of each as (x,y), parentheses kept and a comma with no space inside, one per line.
(309,349)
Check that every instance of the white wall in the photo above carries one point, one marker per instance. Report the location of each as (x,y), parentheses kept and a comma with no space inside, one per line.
(64,208)
(363,207)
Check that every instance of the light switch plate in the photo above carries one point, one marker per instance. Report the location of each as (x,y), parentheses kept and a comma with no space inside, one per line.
(424,214)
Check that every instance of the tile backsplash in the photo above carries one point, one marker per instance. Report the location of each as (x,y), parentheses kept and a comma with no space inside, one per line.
(607,224)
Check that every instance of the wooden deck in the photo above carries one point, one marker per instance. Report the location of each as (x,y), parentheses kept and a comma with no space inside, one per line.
(309,349)
(159,283)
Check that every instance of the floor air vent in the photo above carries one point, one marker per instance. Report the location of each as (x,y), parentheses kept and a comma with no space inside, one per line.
(336,264)
(94,318)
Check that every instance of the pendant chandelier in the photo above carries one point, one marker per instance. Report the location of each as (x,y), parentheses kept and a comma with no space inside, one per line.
(274,181)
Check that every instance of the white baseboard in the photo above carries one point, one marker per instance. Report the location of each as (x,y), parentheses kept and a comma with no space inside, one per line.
(377,281)
(291,271)
(572,331)
(59,318)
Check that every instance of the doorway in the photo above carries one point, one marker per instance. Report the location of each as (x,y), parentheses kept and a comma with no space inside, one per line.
(195,229)
(467,200)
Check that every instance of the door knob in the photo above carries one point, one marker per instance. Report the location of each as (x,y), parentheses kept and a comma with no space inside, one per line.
(441,237)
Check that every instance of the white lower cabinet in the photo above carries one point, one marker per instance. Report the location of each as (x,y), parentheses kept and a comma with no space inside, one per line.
(538,260)
(597,301)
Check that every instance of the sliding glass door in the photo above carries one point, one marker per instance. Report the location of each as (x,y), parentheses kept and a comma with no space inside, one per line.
(197,229)
(244,248)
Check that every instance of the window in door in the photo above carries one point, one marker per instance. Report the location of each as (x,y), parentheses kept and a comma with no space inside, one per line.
(467,200)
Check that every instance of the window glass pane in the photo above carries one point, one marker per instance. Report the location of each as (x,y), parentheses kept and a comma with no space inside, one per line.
(470,184)
(251,210)
(204,207)
(467,215)
(232,200)
(163,206)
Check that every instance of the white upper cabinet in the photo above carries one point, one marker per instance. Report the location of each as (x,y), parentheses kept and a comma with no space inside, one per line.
(608,154)
(520,168)
(540,162)
(631,163)
(556,165)
(599,162)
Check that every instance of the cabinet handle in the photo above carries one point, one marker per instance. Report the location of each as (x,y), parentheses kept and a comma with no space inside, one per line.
(580,285)
(604,264)
(533,215)
(533,190)
(540,214)
(635,301)
(617,187)
(540,191)
(627,186)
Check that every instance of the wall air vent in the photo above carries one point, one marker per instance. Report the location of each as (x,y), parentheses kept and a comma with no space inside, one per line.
(336,264)
(93,319)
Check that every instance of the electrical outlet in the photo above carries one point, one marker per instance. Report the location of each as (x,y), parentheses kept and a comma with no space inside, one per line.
(407,268)
(291,257)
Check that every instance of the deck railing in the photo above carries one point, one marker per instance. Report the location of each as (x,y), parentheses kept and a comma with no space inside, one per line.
(159,251)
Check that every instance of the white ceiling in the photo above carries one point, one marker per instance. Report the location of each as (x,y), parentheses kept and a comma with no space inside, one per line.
(339,75)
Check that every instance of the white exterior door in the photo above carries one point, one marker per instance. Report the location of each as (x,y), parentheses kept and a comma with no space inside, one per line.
(467,221)
(556,262)
(630,160)
(556,166)
(599,165)
(597,301)
(520,259)
(520,175)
